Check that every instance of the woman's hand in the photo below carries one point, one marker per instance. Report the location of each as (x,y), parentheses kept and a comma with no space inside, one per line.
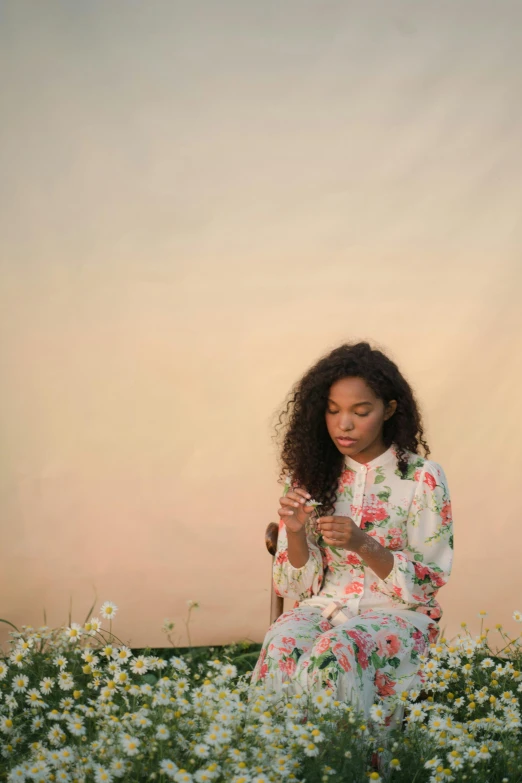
(294,510)
(340,532)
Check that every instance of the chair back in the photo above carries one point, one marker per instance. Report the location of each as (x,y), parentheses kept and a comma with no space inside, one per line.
(276,602)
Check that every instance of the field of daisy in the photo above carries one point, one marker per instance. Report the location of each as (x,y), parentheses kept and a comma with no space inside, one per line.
(77,704)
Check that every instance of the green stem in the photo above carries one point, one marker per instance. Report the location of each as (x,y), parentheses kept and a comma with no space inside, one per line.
(508,644)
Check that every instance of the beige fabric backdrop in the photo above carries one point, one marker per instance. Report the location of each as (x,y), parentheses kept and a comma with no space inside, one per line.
(199,199)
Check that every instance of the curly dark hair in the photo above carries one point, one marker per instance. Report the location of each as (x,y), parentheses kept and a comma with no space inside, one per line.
(308,452)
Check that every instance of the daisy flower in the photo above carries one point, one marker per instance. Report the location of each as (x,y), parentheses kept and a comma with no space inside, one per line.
(102,775)
(321,701)
(76,728)
(89,657)
(317,735)
(416,715)
(18,657)
(140,665)
(201,751)
(92,626)
(168,767)
(73,632)
(46,685)
(33,697)
(118,767)
(6,725)
(517,616)
(311,749)
(229,671)
(65,681)
(130,745)
(377,713)
(20,683)
(56,736)
(456,763)
(108,610)
(17,773)
(3,670)
(162,732)
(60,661)
(122,654)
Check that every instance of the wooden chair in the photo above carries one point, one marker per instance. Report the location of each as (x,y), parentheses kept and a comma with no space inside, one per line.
(276,602)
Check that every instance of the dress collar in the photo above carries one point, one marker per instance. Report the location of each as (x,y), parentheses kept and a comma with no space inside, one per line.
(383,459)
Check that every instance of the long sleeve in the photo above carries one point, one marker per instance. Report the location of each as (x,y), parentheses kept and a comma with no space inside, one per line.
(298,583)
(424,565)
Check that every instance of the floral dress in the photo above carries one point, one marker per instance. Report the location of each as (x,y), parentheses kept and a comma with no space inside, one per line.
(372,652)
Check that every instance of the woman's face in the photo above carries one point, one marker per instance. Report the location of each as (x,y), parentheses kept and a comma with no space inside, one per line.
(355,418)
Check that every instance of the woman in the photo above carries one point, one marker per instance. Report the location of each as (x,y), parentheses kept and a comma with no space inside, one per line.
(366,573)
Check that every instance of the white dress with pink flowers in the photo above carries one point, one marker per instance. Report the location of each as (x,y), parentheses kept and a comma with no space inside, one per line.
(374,654)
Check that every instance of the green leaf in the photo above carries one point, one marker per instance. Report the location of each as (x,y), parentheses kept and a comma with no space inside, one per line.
(418,557)
(376,660)
(395,662)
(11,624)
(379,479)
(150,678)
(325,659)
(376,627)
(90,610)
(385,494)
(410,470)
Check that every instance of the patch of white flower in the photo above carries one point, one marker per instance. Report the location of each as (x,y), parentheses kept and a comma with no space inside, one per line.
(102,714)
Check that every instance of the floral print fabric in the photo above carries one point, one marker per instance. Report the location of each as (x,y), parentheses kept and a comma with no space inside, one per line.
(410,516)
(374,654)
(371,657)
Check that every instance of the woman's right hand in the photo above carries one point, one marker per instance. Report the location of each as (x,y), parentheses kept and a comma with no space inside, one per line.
(294,510)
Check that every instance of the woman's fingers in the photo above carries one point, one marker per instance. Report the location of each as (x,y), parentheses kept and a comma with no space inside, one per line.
(298,495)
(332,527)
(303,492)
(335,523)
(288,501)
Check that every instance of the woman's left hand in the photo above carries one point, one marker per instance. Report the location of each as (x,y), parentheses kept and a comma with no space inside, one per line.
(340,532)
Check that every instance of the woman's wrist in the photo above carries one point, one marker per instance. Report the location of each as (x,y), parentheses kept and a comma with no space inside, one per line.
(298,552)
(377,557)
